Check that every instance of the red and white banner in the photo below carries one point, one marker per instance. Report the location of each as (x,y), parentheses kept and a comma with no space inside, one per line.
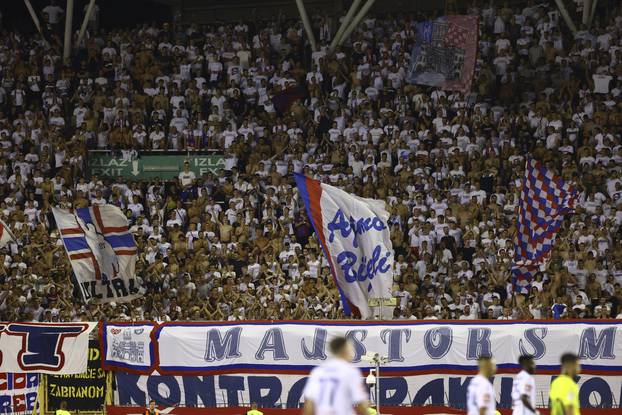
(54,348)
(18,392)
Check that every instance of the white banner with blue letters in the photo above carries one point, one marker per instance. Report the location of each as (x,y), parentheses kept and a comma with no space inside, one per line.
(354,234)
(412,348)
(270,390)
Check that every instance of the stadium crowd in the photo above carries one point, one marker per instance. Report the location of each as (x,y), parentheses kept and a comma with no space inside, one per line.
(237,244)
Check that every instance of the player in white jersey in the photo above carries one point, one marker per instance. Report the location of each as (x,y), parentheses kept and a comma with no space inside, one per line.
(336,386)
(524,388)
(480,393)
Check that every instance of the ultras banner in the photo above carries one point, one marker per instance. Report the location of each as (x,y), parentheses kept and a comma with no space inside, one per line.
(102,252)
(411,348)
(18,392)
(54,348)
(286,390)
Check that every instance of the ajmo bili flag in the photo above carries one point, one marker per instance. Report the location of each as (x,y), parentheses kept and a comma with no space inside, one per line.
(355,238)
(102,252)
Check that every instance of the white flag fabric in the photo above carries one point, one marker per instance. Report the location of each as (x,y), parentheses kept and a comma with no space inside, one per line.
(354,234)
(6,237)
(102,252)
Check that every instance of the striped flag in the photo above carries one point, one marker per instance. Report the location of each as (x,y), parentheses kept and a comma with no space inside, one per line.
(102,252)
(6,237)
(545,201)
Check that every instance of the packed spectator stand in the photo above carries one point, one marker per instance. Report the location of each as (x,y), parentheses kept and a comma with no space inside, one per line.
(238,245)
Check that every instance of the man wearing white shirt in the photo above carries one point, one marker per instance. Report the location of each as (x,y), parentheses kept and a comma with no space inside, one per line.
(54,12)
(466,315)
(480,393)
(336,386)
(601,83)
(404,296)
(524,388)
(186,177)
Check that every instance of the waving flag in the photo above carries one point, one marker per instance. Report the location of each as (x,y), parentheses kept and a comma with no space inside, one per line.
(355,237)
(6,237)
(444,53)
(545,201)
(102,252)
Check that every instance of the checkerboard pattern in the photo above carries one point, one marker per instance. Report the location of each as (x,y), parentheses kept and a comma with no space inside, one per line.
(545,201)
(457,36)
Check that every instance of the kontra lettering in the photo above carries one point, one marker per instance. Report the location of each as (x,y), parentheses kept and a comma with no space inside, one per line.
(270,390)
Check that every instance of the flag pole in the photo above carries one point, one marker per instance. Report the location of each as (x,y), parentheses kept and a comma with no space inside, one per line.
(346,21)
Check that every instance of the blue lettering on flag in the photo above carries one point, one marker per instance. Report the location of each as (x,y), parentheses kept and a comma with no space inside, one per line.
(353,269)
(366,269)
(353,226)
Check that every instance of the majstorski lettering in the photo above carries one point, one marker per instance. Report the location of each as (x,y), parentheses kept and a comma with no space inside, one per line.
(478,343)
(437,342)
(594,346)
(223,347)
(421,344)
(535,338)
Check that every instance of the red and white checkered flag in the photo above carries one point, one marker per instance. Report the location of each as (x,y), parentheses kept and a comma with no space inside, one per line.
(545,200)
(456,35)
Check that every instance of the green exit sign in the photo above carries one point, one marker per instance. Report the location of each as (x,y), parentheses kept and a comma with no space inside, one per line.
(149,166)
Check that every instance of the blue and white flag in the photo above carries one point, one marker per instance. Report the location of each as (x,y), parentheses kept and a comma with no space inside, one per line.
(102,252)
(355,237)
